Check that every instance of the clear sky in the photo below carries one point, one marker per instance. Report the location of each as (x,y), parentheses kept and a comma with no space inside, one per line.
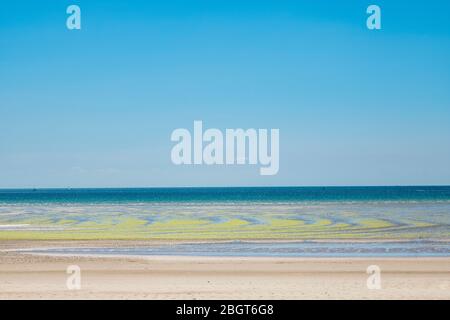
(96,107)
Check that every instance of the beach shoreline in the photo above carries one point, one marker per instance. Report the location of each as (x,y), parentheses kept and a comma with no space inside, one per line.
(30,276)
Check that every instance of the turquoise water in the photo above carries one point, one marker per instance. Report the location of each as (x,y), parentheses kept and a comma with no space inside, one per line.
(244,194)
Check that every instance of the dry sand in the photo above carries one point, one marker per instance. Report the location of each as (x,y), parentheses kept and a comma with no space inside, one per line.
(25,276)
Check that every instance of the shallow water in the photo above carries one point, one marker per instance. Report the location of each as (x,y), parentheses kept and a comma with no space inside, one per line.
(271,249)
(364,213)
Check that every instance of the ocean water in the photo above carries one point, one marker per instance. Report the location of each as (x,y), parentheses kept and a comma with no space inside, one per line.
(267,249)
(235,194)
(270,213)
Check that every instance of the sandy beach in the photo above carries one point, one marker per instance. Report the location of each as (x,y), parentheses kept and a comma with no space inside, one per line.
(26,276)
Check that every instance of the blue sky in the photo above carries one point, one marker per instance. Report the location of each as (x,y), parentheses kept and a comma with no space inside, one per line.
(95,107)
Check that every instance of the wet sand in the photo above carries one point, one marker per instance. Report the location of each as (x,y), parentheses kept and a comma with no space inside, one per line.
(26,276)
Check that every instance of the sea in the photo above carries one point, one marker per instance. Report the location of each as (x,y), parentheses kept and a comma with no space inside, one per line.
(407,221)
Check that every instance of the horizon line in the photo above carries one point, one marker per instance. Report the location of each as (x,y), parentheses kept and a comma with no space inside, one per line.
(231,187)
